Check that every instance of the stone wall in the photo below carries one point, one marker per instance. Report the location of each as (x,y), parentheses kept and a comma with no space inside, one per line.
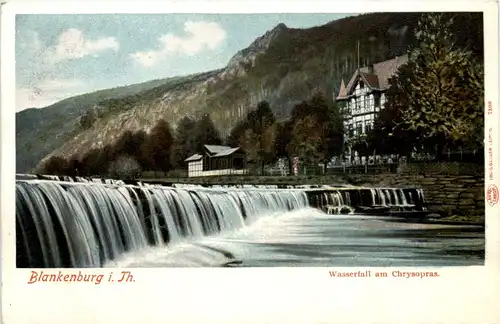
(445,194)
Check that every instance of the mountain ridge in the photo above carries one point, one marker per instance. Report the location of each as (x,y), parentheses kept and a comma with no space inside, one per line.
(283,66)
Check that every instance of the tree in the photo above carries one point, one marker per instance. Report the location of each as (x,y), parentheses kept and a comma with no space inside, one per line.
(125,167)
(282,141)
(445,95)
(158,146)
(235,138)
(307,140)
(259,137)
(74,166)
(206,134)
(390,133)
(139,143)
(362,144)
(88,119)
(184,145)
(105,156)
(55,165)
(331,128)
(331,72)
(130,144)
(94,163)
(326,125)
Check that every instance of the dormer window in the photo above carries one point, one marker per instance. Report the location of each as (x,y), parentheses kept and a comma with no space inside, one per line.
(361,84)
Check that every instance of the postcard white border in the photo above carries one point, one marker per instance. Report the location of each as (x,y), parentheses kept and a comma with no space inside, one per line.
(270,295)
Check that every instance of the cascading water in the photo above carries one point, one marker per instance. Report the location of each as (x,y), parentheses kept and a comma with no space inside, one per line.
(367,200)
(86,224)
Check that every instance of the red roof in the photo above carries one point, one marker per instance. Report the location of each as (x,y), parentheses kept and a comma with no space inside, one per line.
(370,79)
(378,79)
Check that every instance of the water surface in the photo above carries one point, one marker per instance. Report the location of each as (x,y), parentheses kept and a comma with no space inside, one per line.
(309,238)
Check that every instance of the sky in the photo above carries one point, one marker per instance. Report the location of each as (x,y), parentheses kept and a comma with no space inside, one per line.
(60,56)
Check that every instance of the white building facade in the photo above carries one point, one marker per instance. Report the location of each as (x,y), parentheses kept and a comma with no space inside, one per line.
(363,98)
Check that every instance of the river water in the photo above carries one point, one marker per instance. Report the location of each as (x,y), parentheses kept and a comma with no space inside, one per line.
(309,238)
(81,225)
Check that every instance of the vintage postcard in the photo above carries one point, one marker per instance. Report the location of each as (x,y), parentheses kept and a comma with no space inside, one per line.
(227,162)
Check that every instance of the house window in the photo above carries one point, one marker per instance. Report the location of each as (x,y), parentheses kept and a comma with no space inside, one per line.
(348,108)
(361,84)
(377,100)
(368,126)
(351,130)
(345,108)
(359,128)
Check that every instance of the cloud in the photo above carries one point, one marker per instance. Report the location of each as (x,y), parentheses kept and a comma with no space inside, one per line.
(200,36)
(42,84)
(48,92)
(73,44)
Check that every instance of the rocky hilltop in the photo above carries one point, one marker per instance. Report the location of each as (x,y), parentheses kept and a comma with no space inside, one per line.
(284,66)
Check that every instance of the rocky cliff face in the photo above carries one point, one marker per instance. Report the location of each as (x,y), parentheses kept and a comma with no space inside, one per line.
(40,131)
(247,56)
(284,66)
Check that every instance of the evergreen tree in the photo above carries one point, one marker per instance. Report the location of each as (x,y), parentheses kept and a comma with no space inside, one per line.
(445,95)
(184,145)
(158,146)
(237,132)
(206,134)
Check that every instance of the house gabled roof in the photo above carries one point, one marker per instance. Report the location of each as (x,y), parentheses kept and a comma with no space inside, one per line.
(214,149)
(227,152)
(371,80)
(343,90)
(378,80)
(194,157)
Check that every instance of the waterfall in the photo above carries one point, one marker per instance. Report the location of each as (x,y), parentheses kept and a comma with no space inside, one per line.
(374,196)
(87,223)
(334,201)
(367,200)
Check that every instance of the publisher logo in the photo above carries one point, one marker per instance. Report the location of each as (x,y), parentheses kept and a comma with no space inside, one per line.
(492,195)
